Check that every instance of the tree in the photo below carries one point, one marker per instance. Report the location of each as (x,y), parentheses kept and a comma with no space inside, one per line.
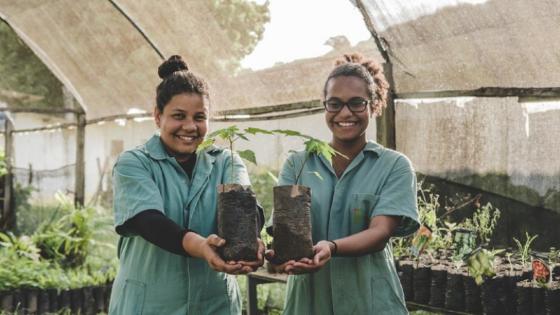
(24,80)
(243,21)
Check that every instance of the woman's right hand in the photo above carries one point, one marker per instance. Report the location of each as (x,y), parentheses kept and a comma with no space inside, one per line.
(213,242)
(207,249)
(322,254)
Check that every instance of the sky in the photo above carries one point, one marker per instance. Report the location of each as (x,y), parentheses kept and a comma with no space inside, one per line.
(299,29)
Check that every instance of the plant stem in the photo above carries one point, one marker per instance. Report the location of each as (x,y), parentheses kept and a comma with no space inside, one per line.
(231,152)
(301,168)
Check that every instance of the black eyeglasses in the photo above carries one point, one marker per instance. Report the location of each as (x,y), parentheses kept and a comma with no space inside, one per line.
(355,105)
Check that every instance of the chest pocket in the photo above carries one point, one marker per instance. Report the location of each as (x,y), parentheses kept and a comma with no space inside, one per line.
(361,208)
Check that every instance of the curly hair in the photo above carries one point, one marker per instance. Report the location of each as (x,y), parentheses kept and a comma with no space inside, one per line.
(177,79)
(371,72)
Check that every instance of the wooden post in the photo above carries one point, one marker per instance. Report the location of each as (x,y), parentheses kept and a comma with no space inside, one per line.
(79,188)
(386,133)
(8,219)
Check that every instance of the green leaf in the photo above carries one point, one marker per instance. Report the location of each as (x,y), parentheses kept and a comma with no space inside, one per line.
(225,133)
(288,132)
(242,136)
(248,155)
(254,131)
(205,144)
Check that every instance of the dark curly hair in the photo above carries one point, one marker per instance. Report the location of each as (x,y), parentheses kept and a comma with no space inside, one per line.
(355,65)
(177,79)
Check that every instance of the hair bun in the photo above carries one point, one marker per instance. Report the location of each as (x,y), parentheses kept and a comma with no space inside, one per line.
(174,63)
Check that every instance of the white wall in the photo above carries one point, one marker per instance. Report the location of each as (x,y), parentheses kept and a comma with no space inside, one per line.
(53,150)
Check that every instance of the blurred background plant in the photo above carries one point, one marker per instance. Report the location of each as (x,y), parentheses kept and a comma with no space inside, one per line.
(73,247)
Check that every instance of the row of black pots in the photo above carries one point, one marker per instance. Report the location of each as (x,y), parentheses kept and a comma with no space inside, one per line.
(441,285)
(533,298)
(87,300)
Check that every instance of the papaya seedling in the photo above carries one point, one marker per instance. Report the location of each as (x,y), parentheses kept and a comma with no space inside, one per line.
(292,205)
(237,214)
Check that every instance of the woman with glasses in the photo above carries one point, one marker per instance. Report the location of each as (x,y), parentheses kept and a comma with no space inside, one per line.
(363,198)
(165,210)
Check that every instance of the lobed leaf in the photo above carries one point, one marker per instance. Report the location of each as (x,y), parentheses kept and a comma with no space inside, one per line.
(248,155)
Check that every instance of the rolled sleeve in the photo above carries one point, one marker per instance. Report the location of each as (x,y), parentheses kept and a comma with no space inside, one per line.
(134,189)
(398,197)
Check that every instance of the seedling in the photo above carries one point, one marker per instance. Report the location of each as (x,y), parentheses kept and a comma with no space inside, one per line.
(236,211)
(312,146)
(481,264)
(524,250)
(483,222)
(231,135)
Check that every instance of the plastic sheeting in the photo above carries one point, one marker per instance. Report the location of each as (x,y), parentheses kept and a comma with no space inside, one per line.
(441,45)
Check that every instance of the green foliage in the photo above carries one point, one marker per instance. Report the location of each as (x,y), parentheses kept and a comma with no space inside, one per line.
(66,240)
(428,205)
(262,184)
(244,23)
(270,296)
(3,169)
(553,256)
(312,146)
(74,248)
(484,222)
(231,134)
(27,219)
(22,72)
(524,249)
(21,246)
(481,264)
(464,243)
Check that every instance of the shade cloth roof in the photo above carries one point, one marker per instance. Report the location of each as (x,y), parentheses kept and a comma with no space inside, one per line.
(467,44)
(107,52)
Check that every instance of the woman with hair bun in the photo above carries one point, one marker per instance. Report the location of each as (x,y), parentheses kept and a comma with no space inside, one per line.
(165,210)
(359,202)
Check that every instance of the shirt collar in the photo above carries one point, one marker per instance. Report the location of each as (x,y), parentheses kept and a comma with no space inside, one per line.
(373,147)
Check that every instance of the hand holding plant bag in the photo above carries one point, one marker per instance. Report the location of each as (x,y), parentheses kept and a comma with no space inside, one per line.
(292,208)
(237,216)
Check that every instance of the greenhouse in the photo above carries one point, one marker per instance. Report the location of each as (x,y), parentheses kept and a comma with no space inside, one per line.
(113,204)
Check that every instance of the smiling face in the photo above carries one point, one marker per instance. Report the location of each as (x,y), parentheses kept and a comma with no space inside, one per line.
(348,128)
(183,124)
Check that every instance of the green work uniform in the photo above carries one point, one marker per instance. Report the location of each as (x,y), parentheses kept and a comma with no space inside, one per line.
(378,181)
(154,281)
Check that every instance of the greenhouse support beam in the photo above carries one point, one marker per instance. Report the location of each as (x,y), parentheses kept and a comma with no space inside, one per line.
(79,188)
(138,28)
(8,219)
(37,110)
(241,118)
(547,92)
(378,39)
(271,109)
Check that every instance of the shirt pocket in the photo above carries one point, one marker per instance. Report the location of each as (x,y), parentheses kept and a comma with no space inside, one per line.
(361,208)
(132,298)
(384,298)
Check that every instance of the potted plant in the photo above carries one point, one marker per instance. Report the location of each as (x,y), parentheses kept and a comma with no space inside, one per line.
(291,219)
(237,216)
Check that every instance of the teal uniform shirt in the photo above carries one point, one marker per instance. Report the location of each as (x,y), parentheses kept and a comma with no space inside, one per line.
(154,281)
(378,181)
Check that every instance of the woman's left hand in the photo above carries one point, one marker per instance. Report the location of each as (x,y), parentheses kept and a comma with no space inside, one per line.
(322,254)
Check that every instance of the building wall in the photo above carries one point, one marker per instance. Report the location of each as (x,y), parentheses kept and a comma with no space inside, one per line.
(55,151)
